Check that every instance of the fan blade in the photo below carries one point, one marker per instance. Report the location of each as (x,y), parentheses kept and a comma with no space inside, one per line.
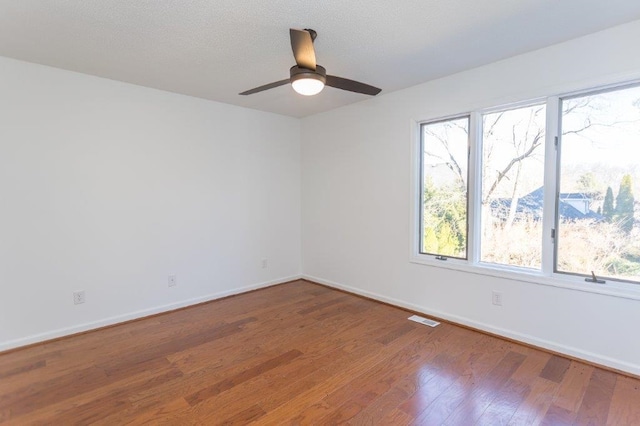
(302,46)
(265,87)
(351,85)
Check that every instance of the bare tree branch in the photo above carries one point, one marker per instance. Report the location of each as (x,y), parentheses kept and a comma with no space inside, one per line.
(491,129)
(537,141)
(450,162)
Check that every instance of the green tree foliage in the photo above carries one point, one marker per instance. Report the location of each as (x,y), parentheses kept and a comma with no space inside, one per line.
(588,183)
(624,204)
(445,222)
(607,207)
(447,241)
(430,244)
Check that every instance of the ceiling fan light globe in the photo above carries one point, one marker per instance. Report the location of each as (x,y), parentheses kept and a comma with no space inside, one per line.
(308,82)
(308,86)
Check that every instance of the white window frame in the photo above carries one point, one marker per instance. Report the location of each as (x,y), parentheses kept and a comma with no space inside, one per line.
(421,179)
(478,179)
(546,275)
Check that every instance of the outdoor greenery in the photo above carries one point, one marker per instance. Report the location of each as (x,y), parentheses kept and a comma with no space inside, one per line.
(608,210)
(623,211)
(604,248)
(445,220)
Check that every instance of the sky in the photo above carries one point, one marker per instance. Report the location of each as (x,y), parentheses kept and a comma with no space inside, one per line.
(610,142)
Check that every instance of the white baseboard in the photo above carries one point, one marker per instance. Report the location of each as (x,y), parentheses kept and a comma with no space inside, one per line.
(510,334)
(49,335)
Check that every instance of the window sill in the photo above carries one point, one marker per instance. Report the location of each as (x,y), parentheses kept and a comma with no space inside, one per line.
(611,288)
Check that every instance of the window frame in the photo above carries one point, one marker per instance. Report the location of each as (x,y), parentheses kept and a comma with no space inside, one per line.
(478,177)
(558,175)
(547,275)
(441,257)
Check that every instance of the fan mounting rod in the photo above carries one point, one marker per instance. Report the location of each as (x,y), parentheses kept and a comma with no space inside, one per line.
(312,33)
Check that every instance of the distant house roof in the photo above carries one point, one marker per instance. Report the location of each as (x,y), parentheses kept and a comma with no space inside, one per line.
(531,205)
(574,196)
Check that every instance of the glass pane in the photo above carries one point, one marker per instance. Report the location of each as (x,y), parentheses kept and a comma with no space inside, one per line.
(445,147)
(599,174)
(512,186)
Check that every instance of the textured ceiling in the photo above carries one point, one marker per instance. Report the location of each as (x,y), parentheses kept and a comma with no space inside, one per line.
(215,49)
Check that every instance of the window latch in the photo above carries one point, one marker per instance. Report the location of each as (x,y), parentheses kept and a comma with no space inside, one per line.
(594,279)
(441,257)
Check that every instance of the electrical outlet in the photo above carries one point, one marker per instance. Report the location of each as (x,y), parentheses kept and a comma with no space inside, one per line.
(265,263)
(79,297)
(173,281)
(496,298)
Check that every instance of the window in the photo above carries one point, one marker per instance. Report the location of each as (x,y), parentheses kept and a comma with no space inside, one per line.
(512,186)
(599,174)
(445,148)
(544,189)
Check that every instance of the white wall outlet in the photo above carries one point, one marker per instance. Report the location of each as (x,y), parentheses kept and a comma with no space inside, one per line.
(265,263)
(173,281)
(79,297)
(496,298)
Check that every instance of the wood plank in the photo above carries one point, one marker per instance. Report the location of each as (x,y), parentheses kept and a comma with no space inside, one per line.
(558,416)
(395,333)
(204,376)
(440,373)
(246,416)
(26,367)
(625,403)
(228,383)
(104,400)
(47,392)
(594,409)
(290,380)
(373,412)
(301,353)
(555,369)
(573,387)
(504,404)
(535,406)
(479,394)
(364,389)
(320,306)
(104,403)
(395,417)
(311,404)
(162,415)
(457,400)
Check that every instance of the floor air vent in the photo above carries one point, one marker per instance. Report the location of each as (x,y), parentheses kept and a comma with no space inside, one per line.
(425,321)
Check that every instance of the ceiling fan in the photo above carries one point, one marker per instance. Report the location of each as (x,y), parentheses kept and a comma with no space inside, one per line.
(307,77)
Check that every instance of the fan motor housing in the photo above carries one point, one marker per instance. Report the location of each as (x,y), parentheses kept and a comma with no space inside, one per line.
(297,73)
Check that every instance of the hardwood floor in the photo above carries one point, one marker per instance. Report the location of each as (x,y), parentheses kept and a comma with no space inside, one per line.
(300,353)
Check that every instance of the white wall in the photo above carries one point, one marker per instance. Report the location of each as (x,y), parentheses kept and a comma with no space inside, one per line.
(108,187)
(356,176)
